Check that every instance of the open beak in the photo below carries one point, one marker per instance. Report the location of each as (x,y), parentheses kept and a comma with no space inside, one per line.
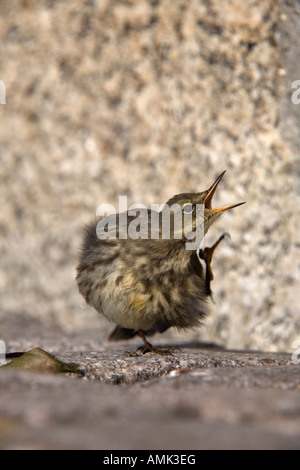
(210,195)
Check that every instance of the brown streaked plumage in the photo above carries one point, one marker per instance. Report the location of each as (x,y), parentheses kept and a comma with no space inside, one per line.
(148,285)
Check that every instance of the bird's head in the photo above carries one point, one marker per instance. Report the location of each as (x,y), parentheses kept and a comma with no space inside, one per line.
(196,208)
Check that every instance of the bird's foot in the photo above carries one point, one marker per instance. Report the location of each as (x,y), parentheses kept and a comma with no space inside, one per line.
(206,254)
(158,351)
(146,349)
(131,354)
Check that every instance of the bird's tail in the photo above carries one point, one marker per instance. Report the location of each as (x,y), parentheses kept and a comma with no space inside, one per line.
(120,333)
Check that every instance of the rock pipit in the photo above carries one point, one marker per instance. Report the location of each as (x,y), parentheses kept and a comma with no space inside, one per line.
(149,283)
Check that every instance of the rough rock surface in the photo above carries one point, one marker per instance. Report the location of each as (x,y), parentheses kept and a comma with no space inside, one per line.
(199,397)
(204,409)
(148,99)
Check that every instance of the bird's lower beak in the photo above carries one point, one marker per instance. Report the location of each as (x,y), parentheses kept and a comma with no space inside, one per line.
(209,197)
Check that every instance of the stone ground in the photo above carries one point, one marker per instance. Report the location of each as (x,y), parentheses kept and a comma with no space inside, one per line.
(201,396)
(147,99)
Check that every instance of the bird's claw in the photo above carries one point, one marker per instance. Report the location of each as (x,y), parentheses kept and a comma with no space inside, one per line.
(206,254)
(141,350)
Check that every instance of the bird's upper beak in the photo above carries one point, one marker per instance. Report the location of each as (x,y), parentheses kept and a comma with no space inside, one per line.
(210,194)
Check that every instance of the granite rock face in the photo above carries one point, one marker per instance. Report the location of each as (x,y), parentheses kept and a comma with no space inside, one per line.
(148,99)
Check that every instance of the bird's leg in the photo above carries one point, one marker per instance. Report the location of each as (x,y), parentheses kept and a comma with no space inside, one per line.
(206,254)
(146,342)
(143,349)
(149,348)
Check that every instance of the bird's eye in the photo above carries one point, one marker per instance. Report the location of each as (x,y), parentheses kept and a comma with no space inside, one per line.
(188,208)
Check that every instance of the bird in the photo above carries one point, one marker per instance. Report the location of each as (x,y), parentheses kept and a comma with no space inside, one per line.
(145,285)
